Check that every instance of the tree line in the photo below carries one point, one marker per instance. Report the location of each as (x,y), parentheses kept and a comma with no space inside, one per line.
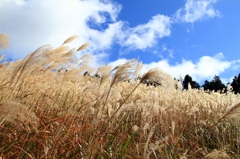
(214,85)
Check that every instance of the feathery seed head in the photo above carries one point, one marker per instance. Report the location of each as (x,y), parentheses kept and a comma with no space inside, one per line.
(82,47)
(1,57)
(19,115)
(157,75)
(217,155)
(135,128)
(61,49)
(124,72)
(4,41)
(86,58)
(70,39)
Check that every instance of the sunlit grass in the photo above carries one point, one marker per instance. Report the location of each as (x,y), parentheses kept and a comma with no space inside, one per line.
(48,112)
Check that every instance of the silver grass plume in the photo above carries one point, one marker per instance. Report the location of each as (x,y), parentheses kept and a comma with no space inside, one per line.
(70,39)
(82,47)
(4,41)
(19,115)
(31,59)
(156,74)
(124,72)
(104,72)
(217,154)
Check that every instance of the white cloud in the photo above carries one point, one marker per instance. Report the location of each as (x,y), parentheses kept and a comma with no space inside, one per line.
(31,24)
(205,68)
(146,35)
(196,10)
(208,66)
(169,51)
(117,62)
(236,65)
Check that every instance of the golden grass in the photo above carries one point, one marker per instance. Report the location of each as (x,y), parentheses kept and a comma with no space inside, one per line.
(70,39)
(4,41)
(47,113)
(83,46)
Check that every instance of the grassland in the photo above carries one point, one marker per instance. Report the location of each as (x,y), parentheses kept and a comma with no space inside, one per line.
(48,109)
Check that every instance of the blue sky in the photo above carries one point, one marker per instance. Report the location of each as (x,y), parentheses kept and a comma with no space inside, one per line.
(196,37)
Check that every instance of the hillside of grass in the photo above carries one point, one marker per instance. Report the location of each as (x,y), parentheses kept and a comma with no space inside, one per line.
(49,109)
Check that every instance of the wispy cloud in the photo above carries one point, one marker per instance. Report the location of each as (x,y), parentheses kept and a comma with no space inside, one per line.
(146,35)
(195,10)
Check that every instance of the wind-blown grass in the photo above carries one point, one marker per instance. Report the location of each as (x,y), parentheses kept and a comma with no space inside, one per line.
(4,41)
(46,112)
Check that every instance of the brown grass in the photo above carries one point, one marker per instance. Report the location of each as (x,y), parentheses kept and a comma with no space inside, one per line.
(47,113)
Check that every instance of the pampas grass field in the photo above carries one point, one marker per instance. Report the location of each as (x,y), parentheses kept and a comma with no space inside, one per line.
(49,109)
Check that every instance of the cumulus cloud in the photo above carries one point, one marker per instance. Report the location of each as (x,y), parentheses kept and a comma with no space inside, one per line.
(209,66)
(195,10)
(118,62)
(33,23)
(30,24)
(205,68)
(146,35)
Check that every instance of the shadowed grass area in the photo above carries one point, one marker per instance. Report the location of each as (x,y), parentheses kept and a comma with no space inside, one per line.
(48,109)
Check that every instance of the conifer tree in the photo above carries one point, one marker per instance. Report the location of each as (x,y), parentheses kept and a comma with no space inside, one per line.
(215,85)
(188,80)
(236,84)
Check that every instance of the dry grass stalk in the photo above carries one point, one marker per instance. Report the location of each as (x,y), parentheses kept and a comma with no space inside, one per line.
(4,41)
(19,115)
(232,113)
(97,117)
(159,76)
(70,39)
(104,72)
(20,69)
(1,57)
(145,154)
(124,72)
(24,65)
(69,54)
(217,155)
(138,69)
(86,59)
(83,46)
(3,64)
(60,50)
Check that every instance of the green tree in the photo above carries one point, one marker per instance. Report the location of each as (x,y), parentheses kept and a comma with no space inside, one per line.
(236,84)
(188,80)
(215,85)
